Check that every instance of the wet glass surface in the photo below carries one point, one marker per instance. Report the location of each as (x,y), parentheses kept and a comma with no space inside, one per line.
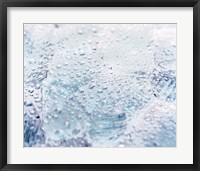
(100,85)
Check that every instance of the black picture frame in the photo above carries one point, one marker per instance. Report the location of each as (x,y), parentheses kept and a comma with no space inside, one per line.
(99,3)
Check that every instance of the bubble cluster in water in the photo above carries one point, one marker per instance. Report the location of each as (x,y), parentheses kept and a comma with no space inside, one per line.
(99,85)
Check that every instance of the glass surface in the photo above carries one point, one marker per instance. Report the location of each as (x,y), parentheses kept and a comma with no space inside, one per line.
(100,85)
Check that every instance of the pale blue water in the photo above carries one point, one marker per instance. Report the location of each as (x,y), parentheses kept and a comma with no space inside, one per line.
(99,85)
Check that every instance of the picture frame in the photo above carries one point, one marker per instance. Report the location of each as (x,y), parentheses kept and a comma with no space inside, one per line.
(100,3)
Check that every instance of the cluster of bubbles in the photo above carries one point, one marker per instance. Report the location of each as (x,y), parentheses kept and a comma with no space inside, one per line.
(100,85)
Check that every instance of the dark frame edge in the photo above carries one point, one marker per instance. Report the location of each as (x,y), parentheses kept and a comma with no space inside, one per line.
(100,3)
(98,167)
(196,84)
(3,92)
(3,85)
(1,119)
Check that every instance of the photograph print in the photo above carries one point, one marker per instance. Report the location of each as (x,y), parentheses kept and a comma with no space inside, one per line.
(99,85)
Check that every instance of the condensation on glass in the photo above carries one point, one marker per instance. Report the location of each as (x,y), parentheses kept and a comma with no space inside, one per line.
(100,85)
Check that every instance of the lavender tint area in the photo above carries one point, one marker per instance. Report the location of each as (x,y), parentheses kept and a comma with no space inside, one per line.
(100,85)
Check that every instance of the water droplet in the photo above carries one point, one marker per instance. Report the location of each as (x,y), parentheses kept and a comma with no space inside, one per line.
(31,90)
(91,97)
(94,48)
(82,53)
(58,66)
(76,131)
(78,75)
(38,86)
(57,132)
(79,116)
(82,62)
(152,136)
(118,91)
(92,72)
(100,91)
(32,112)
(91,86)
(89,41)
(38,100)
(109,67)
(104,88)
(94,30)
(55,116)
(66,63)
(81,90)
(26,103)
(80,32)
(45,121)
